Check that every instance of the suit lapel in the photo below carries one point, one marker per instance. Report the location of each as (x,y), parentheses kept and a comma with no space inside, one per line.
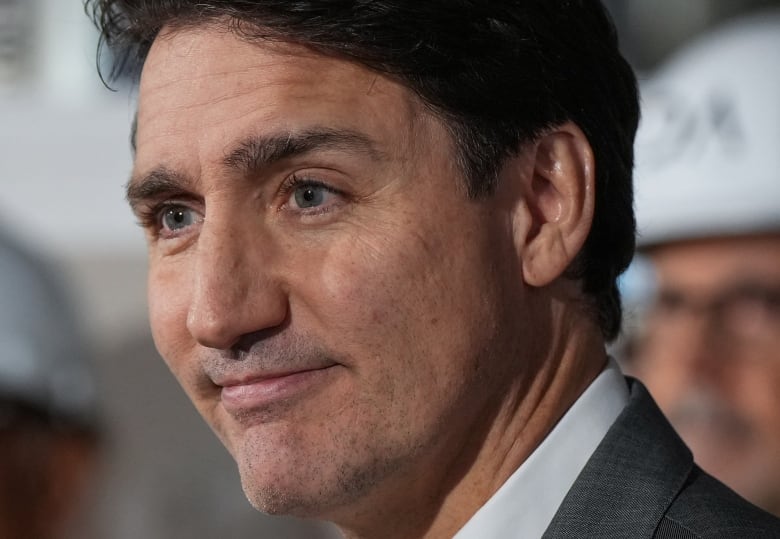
(630,481)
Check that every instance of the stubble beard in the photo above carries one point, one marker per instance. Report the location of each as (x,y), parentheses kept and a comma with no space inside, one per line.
(300,479)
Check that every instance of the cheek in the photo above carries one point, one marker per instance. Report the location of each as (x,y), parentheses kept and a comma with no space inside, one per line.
(169,293)
(401,311)
(168,306)
(354,278)
(758,393)
(372,287)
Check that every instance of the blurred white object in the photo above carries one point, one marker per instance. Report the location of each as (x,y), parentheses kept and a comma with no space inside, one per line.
(708,146)
(64,138)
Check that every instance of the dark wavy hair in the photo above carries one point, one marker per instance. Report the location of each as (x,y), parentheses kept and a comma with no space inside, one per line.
(497,72)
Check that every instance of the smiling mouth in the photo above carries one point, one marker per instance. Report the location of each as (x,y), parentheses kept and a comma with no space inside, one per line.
(264,392)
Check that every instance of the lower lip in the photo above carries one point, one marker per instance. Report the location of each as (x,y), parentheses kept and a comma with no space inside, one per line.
(242,398)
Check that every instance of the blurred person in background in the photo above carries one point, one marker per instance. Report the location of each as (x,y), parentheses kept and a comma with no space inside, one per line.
(708,212)
(48,423)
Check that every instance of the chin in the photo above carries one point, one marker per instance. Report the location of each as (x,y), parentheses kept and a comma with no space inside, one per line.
(278,480)
(272,500)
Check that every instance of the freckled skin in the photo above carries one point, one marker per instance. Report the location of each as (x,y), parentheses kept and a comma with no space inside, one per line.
(410,292)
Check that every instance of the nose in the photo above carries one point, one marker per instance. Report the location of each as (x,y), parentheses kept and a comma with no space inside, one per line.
(236,291)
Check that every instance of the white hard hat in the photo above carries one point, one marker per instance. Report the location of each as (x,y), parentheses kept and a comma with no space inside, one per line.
(708,145)
(43,361)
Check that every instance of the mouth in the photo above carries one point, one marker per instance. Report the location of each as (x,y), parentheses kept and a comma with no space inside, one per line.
(240,397)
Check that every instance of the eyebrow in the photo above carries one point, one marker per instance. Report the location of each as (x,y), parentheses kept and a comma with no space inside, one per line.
(155,184)
(252,155)
(258,152)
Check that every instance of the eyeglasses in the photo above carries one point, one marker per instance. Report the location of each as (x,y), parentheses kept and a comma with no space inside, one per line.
(748,312)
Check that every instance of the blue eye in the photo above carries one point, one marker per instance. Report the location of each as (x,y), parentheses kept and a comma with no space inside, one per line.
(310,196)
(177,218)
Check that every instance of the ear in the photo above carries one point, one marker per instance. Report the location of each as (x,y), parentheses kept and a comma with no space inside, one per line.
(559,197)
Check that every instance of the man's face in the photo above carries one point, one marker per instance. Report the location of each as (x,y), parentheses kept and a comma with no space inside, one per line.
(711,356)
(329,298)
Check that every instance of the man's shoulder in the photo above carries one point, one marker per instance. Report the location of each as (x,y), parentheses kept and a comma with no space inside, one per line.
(642,482)
(706,508)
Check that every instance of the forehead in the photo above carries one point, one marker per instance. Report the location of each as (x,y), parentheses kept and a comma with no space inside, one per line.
(709,264)
(208,82)
(199,52)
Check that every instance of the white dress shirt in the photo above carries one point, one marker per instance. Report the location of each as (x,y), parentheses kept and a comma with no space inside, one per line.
(526,503)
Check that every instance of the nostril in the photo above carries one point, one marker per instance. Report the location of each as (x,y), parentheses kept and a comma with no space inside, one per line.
(223,319)
(247,342)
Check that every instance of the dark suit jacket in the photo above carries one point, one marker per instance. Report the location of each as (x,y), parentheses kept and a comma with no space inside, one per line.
(642,482)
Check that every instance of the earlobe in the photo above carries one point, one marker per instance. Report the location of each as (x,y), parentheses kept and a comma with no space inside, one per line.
(560,199)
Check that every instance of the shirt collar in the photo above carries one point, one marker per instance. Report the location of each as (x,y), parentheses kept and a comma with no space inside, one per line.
(526,503)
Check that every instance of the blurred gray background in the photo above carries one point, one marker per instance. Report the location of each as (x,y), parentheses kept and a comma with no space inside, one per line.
(64,158)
